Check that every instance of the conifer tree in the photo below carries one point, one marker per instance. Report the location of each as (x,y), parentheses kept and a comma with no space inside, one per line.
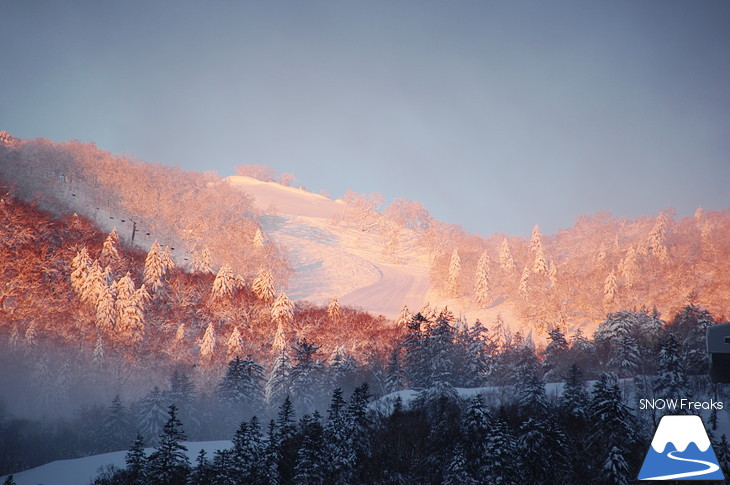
(258,239)
(524,284)
(169,464)
(286,439)
(152,413)
(456,473)
(279,385)
(241,389)
(306,375)
(403,318)
(97,356)
(202,474)
(536,239)
(505,257)
(454,273)
(207,344)
(482,285)
(129,306)
(395,377)
(156,265)
(136,461)
(224,285)
(310,466)
(338,447)
(106,314)
(109,252)
(539,265)
(115,430)
(333,310)
(234,344)
(282,311)
(247,453)
(263,286)
(610,287)
(671,380)
(202,262)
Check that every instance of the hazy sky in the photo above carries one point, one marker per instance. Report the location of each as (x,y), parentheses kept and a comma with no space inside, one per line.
(495,115)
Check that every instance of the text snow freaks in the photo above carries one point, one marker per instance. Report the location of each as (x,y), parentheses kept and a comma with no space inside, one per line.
(679,404)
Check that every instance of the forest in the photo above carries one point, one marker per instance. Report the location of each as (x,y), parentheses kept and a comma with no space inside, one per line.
(106,346)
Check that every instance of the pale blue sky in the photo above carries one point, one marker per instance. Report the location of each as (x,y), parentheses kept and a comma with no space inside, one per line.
(495,115)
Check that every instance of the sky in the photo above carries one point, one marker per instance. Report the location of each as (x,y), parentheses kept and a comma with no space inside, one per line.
(496,115)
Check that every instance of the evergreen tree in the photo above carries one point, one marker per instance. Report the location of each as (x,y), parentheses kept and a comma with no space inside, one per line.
(279,383)
(456,472)
(234,344)
(501,463)
(555,353)
(156,265)
(536,240)
(542,448)
(282,311)
(224,285)
(109,253)
(524,286)
(482,285)
(136,461)
(116,428)
(476,429)
(540,265)
(403,318)
(258,239)
(106,314)
(241,392)
(263,286)
(202,474)
(454,273)
(342,369)
(152,413)
(333,310)
(286,439)
(505,257)
(305,375)
(415,362)
(612,427)
(207,344)
(690,328)
(247,453)
(168,464)
(202,262)
(129,306)
(360,423)
(310,466)
(338,446)
(395,377)
(671,381)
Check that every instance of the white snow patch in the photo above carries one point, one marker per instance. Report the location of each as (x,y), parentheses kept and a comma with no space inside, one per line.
(81,471)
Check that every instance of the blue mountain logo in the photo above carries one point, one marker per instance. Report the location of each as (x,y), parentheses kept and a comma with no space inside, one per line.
(680,450)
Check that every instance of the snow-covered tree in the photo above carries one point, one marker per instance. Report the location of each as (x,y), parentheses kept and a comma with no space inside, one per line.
(97,356)
(282,311)
(129,307)
(202,262)
(524,286)
(116,429)
(279,385)
(224,285)
(540,265)
(671,380)
(152,413)
(505,257)
(456,471)
(403,318)
(207,344)
(263,286)
(80,267)
(258,239)
(234,344)
(338,450)
(333,310)
(610,288)
(482,284)
(241,389)
(106,313)
(454,273)
(156,265)
(629,267)
(536,239)
(136,461)
(109,252)
(656,243)
(310,466)
(248,453)
(306,375)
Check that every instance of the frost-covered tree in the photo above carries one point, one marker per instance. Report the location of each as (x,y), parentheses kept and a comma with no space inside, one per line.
(629,267)
(610,288)
(156,265)
(503,464)
(482,284)
(80,265)
(263,286)
(169,463)
(282,310)
(202,262)
(258,239)
(690,328)
(542,446)
(109,252)
(556,353)
(97,356)
(540,265)
(395,376)
(224,285)
(656,243)
(403,317)
(106,313)
(524,286)
(207,344)
(454,273)
(333,310)
(129,307)
(505,257)
(279,385)
(536,239)
(234,344)
(456,471)
(247,453)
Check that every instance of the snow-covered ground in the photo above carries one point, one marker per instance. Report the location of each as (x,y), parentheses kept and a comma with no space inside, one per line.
(331,258)
(82,471)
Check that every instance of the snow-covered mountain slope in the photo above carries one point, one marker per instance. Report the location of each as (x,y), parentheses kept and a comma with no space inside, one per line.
(81,471)
(333,259)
